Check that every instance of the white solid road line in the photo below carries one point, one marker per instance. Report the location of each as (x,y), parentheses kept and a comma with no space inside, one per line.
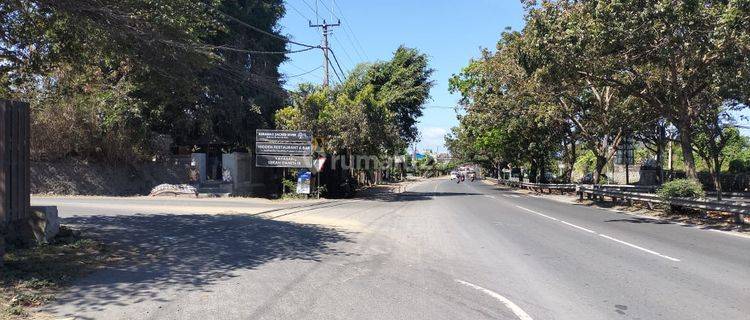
(639,248)
(578,227)
(512,306)
(602,235)
(539,213)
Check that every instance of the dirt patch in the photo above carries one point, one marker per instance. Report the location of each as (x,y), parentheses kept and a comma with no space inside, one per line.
(80,177)
(32,277)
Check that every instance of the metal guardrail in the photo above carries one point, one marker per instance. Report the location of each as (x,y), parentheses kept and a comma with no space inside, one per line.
(629,188)
(562,187)
(732,195)
(636,193)
(738,196)
(540,187)
(739,209)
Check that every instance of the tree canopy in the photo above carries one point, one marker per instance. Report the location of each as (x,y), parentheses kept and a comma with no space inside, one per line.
(373,112)
(589,73)
(127,73)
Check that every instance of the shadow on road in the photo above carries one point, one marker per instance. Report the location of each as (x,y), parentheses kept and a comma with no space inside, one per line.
(686,222)
(183,253)
(413,196)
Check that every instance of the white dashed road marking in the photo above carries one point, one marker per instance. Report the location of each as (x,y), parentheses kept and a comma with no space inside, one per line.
(601,235)
(639,248)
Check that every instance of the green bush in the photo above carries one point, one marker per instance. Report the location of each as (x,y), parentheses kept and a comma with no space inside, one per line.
(681,188)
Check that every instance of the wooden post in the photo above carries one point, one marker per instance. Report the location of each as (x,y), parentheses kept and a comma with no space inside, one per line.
(14,171)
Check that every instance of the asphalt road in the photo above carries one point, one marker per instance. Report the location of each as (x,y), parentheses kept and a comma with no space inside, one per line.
(439,251)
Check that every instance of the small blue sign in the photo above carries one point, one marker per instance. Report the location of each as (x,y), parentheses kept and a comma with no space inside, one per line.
(303,182)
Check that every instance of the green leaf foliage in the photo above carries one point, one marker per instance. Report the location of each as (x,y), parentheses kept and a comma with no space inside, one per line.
(681,188)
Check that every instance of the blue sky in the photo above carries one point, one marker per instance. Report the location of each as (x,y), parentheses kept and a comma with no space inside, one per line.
(449,32)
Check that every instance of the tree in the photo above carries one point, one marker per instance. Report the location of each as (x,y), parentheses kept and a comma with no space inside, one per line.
(502,100)
(373,112)
(668,54)
(131,71)
(403,85)
(713,134)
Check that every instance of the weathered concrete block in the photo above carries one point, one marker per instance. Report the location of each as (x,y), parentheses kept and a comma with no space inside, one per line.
(44,223)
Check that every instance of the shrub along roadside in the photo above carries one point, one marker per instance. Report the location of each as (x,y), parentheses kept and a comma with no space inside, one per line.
(681,188)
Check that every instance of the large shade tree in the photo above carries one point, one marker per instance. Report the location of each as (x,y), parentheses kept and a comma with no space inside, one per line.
(669,54)
(126,72)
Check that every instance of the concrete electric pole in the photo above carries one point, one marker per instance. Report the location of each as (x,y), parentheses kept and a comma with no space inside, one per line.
(326,62)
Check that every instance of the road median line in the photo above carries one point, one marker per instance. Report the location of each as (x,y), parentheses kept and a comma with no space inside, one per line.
(601,235)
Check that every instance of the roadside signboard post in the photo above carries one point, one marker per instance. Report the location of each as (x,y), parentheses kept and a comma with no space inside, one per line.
(283,136)
(283,148)
(626,156)
(303,182)
(286,149)
(276,161)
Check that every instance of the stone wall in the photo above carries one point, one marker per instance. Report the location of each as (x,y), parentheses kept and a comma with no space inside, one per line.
(81,177)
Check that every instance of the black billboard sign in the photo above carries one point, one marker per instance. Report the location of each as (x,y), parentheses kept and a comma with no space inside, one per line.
(280,148)
(278,161)
(283,136)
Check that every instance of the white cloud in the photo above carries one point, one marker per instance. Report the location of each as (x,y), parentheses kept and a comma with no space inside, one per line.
(432,138)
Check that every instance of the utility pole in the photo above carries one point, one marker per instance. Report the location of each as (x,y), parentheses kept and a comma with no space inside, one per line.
(326,62)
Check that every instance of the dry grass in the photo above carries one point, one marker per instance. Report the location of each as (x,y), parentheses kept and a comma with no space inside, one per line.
(32,276)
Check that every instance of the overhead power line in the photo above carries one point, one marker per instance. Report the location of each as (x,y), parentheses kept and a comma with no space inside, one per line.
(348,30)
(305,73)
(346,52)
(351,37)
(296,10)
(337,61)
(325,26)
(335,72)
(240,22)
(315,11)
(259,52)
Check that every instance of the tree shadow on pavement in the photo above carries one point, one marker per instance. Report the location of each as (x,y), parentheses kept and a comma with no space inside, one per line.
(687,222)
(413,196)
(184,253)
